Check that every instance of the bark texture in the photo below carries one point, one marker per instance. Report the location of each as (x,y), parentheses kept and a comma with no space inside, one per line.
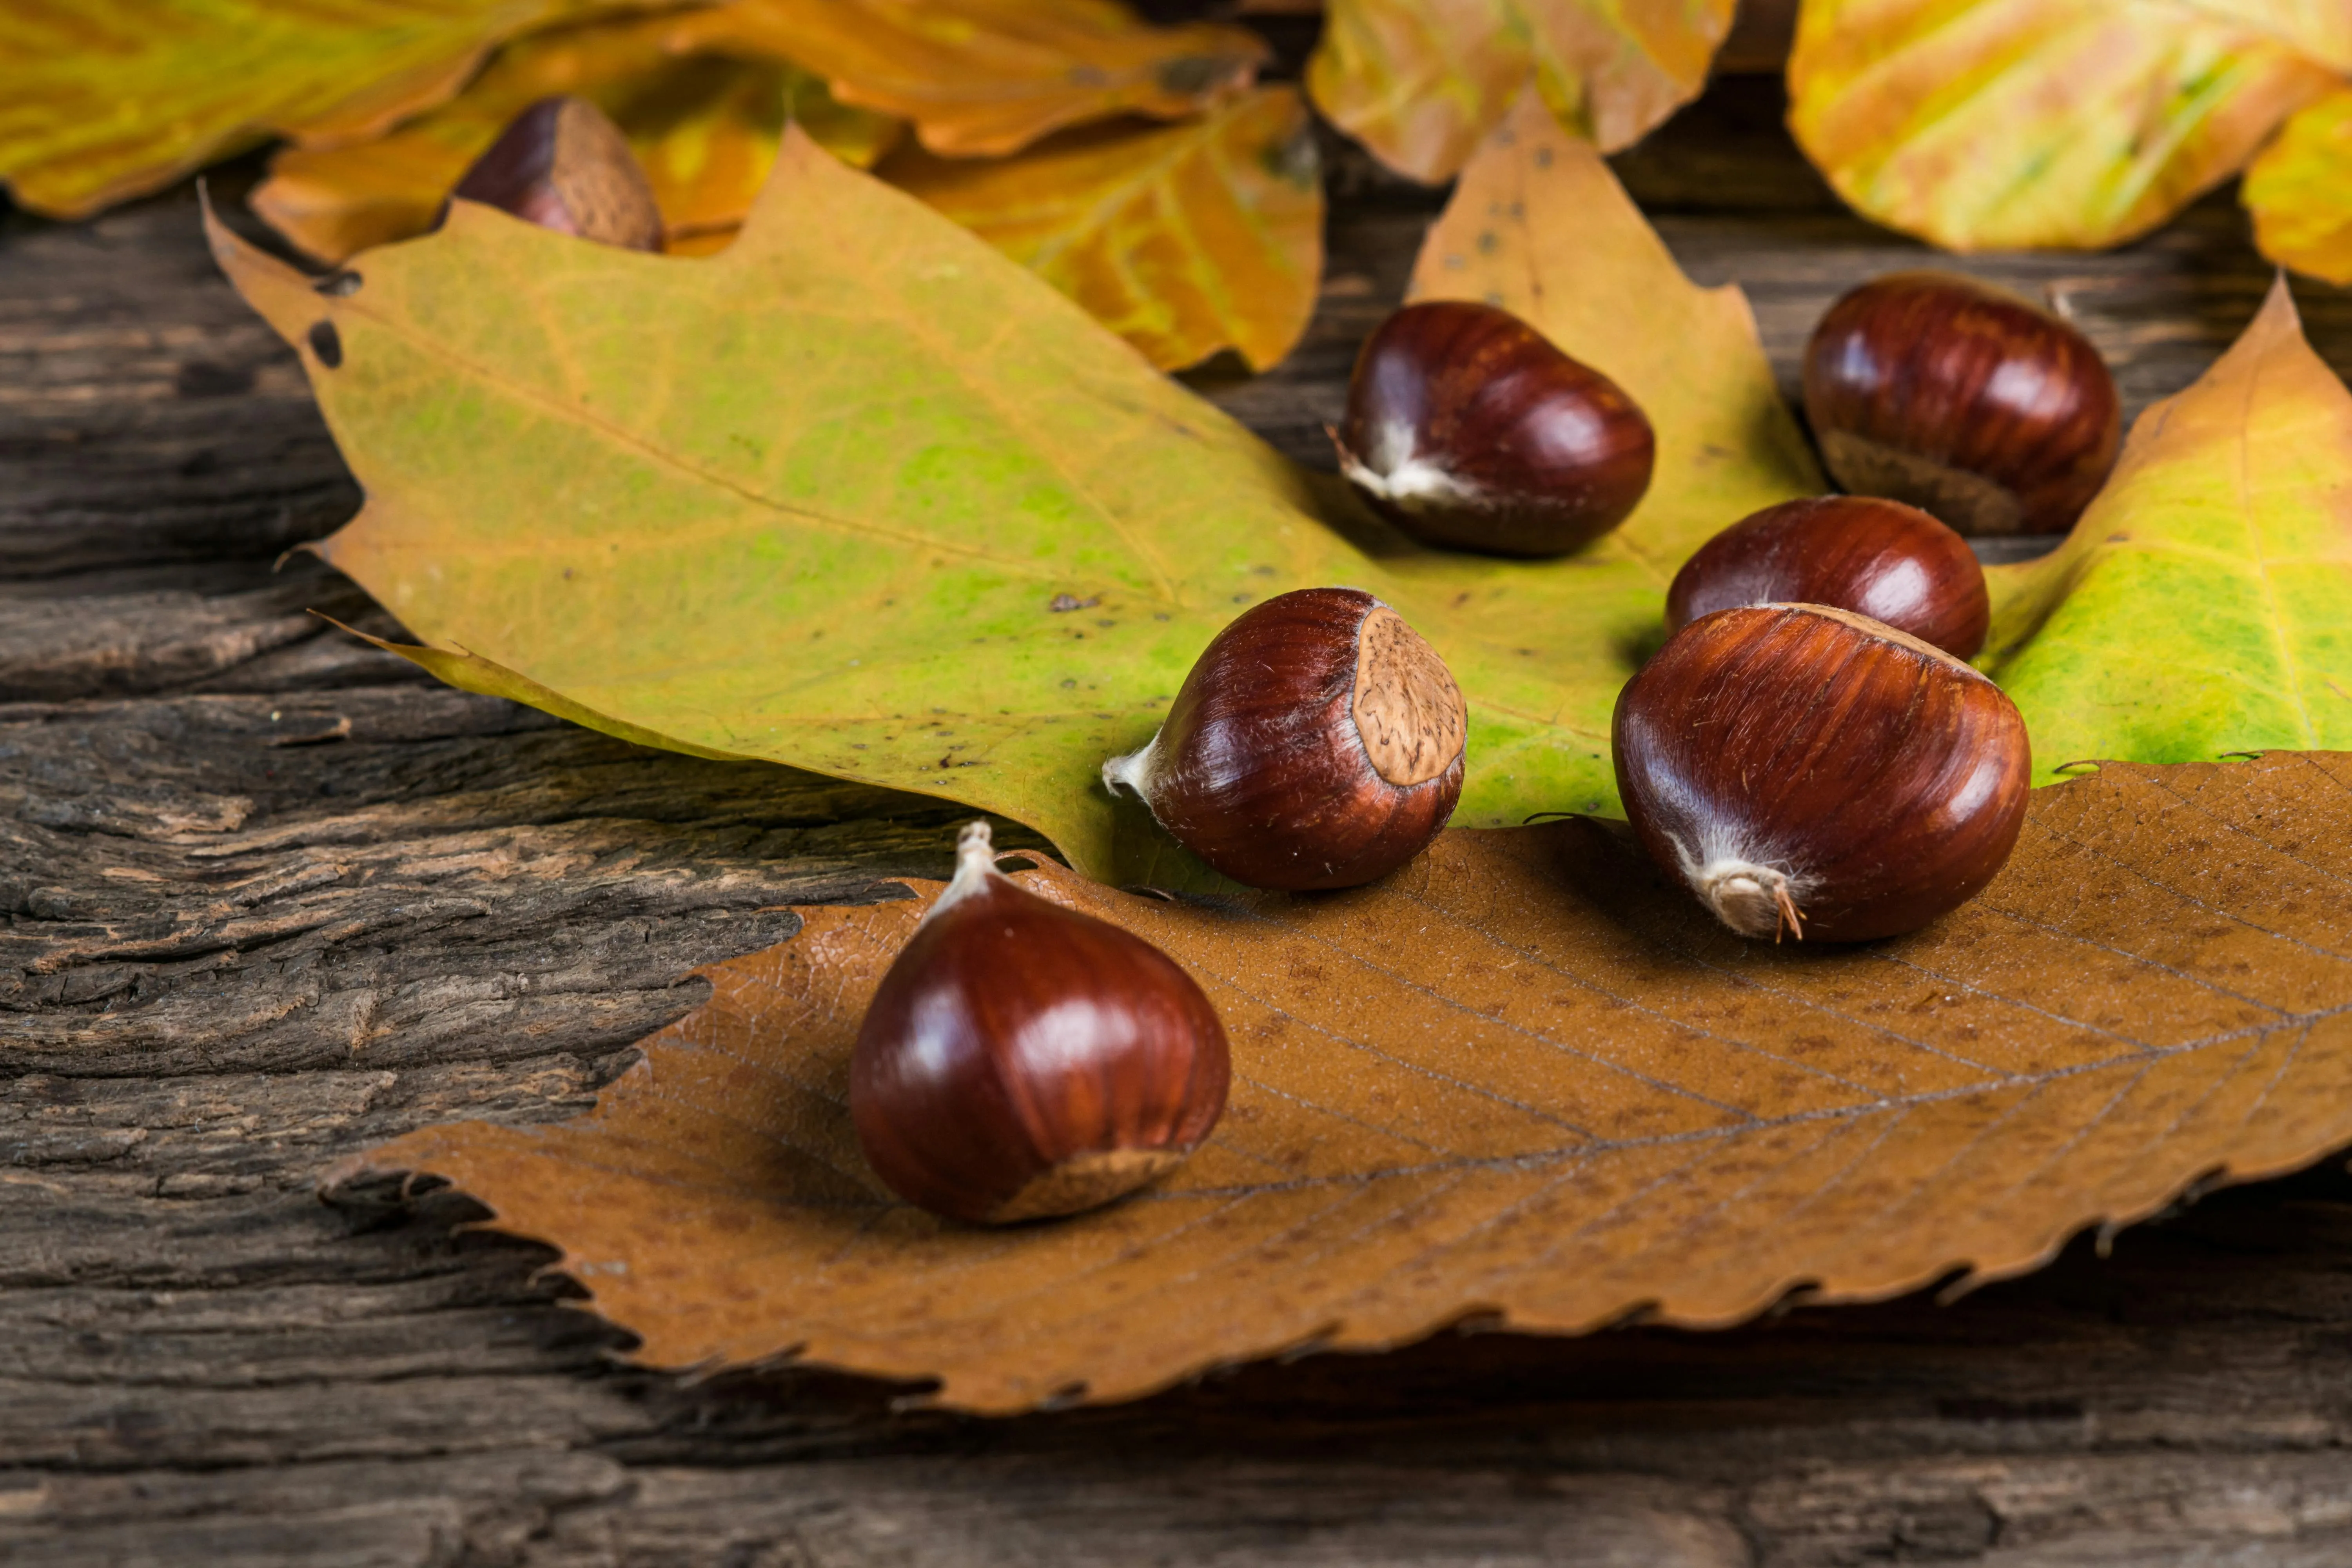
(271,896)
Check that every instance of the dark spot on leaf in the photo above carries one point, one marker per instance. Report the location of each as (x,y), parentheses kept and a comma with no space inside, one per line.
(1489,242)
(1543,157)
(199,378)
(339,285)
(326,343)
(1065,603)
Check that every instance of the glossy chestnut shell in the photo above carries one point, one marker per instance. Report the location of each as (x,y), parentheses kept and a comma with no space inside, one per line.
(1964,400)
(562,165)
(1813,773)
(1877,558)
(1318,742)
(1021,1059)
(1469,430)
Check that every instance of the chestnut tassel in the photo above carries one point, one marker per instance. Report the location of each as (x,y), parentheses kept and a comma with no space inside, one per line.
(1319,742)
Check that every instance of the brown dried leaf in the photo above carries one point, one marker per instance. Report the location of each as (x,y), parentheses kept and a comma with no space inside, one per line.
(983,78)
(1521,1078)
(1183,239)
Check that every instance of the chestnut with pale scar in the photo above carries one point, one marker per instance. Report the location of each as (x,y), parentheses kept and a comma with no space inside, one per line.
(562,165)
(1987,411)
(1317,744)
(1407,708)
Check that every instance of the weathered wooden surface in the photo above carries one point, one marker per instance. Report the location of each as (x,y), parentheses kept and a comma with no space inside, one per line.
(271,897)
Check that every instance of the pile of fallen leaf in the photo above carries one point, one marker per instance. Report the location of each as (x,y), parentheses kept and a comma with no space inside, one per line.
(841,484)
(1144,169)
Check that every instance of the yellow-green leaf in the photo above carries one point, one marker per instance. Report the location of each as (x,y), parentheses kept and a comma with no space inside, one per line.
(703,122)
(918,520)
(1183,239)
(1982,124)
(2203,604)
(983,78)
(1420,83)
(105,99)
(2299,190)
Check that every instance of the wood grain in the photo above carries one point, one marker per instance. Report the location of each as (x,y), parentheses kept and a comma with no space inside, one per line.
(241,947)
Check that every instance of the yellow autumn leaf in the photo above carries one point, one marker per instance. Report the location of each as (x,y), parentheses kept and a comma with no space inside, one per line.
(1183,239)
(1420,83)
(704,121)
(983,78)
(2299,190)
(1987,123)
(105,99)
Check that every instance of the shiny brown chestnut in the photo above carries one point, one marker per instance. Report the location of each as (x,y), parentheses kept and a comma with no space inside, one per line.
(1877,558)
(562,165)
(1470,431)
(1021,1059)
(1811,771)
(1318,742)
(1964,400)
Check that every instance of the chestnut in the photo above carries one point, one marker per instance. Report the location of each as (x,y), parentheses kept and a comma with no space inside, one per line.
(562,165)
(1964,400)
(1317,743)
(1021,1059)
(1877,558)
(1811,772)
(1469,430)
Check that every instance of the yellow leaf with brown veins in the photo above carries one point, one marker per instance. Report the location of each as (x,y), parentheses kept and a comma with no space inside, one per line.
(1183,239)
(107,99)
(704,121)
(984,77)
(1990,123)
(1421,81)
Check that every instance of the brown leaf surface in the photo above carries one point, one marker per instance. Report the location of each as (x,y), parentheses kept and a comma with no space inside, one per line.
(1183,239)
(983,78)
(1519,1077)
